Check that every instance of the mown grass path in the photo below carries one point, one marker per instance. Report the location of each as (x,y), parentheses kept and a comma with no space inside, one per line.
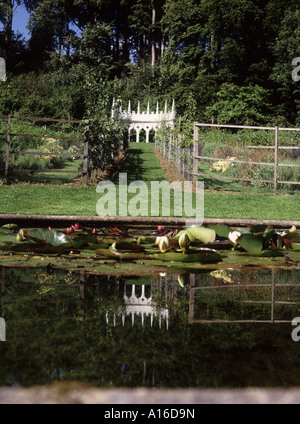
(141,164)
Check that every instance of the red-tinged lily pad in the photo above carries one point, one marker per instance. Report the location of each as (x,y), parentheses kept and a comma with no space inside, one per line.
(289,238)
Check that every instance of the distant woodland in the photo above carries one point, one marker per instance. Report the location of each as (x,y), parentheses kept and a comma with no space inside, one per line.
(227,61)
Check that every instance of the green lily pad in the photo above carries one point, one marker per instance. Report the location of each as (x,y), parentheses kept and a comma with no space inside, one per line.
(43,236)
(258,229)
(114,254)
(250,242)
(80,241)
(32,247)
(202,255)
(221,230)
(243,230)
(199,234)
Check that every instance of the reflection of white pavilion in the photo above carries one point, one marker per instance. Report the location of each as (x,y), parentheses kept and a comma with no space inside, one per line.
(141,307)
(148,121)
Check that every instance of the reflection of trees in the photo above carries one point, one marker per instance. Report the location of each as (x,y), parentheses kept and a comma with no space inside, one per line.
(62,334)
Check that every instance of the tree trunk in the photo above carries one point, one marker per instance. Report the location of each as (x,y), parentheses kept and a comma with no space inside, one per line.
(9,17)
(153,34)
(68,40)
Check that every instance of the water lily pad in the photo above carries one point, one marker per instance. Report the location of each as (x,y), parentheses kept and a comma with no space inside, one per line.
(290,238)
(10,227)
(250,242)
(43,236)
(80,241)
(114,254)
(208,256)
(258,229)
(199,234)
(27,247)
(202,255)
(221,230)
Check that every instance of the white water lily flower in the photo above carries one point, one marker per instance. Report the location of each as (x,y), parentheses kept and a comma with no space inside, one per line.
(184,241)
(233,236)
(163,244)
(282,233)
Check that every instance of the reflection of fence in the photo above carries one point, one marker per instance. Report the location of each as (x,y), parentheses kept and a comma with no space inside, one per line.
(9,152)
(271,301)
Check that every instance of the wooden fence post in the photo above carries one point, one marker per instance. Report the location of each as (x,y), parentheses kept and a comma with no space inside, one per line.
(2,291)
(183,150)
(170,149)
(188,163)
(7,146)
(85,165)
(195,153)
(275,159)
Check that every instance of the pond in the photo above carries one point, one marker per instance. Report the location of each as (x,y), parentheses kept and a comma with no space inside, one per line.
(216,328)
(206,308)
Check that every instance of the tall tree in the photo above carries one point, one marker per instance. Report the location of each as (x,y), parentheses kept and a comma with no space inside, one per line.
(11,43)
(49,25)
(286,48)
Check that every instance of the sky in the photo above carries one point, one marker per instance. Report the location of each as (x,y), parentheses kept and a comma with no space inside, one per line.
(20,20)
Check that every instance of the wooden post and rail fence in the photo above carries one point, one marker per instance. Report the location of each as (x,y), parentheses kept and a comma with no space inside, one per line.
(83,138)
(186,159)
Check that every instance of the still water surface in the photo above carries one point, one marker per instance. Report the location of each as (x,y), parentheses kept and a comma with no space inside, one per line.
(223,328)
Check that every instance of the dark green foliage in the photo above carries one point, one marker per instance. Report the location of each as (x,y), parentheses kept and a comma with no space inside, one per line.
(106,133)
(228,59)
(244,105)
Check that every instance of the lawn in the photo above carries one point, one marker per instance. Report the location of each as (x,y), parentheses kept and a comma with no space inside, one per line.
(65,200)
(141,165)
